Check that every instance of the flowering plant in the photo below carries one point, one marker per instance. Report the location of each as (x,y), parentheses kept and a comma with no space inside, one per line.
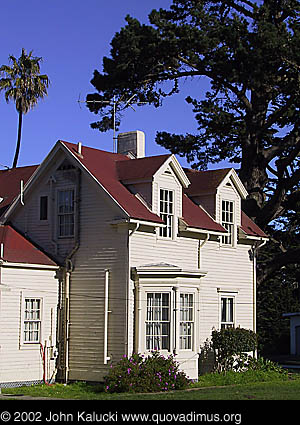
(151,374)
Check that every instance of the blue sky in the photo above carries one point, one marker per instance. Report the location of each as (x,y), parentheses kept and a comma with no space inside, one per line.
(72,37)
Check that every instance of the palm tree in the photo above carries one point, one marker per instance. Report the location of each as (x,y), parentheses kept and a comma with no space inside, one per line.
(24,85)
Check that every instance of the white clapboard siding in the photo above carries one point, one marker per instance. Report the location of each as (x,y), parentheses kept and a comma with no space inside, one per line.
(21,362)
(102,246)
(228,270)
(27,218)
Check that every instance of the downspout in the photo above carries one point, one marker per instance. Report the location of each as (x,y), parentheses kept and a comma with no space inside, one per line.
(106,311)
(69,269)
(201,245)
(135,301)
(67,304)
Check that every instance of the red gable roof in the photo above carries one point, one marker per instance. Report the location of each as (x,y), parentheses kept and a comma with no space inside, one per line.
(103,166)
(110,169)
(141,168)
(10,183)
(204,181)
(17,249)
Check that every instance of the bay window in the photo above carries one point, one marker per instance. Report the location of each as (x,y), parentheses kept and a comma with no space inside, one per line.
(186,321)
(158,321)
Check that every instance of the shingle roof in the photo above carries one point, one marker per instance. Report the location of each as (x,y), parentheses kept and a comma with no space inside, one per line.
(17,249)
(10,183)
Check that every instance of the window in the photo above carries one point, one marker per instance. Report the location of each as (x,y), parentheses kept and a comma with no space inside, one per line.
(166,211)
(186,321)
(32,320)
(66,213)
(227,221)
(227,313)
(158,321)
(44,208)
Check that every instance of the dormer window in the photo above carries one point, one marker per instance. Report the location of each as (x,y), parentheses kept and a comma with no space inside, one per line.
(228,221)
(166,212)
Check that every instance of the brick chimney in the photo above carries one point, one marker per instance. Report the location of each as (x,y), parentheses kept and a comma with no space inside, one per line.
(132,142)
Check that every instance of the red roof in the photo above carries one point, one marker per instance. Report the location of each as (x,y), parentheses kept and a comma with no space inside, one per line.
(250,228)
(110,169)
(103,166)
(17,249)
(141,168)
(204,181)
(10,183)
(195,216)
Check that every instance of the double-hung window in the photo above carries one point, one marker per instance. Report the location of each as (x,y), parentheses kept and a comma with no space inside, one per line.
(227,312)
(158,321)
(186,321)
(32,320)
(166,212)
(66,219)
(228,221)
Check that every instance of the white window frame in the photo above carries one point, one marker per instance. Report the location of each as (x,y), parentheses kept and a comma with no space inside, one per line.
(26,319)
(186,321)
(228,221)
(228,319)
(65,214)
(166,209)
(156,319)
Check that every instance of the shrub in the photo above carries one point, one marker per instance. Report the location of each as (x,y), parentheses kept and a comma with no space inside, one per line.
(230,346)
(152,374)
(265,365)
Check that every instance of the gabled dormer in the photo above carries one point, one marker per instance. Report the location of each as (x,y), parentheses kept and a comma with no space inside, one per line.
(220,192)
(157,181)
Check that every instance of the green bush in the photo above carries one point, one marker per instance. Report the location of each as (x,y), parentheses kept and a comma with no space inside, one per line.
(265,365)
(230,346)
(152,374)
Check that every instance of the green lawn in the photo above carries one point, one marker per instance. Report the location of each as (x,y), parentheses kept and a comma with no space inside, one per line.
(288,389)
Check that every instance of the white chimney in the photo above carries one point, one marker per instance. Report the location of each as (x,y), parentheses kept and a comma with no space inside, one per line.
(132,142)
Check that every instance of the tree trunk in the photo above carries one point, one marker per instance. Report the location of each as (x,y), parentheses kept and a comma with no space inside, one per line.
(18,140)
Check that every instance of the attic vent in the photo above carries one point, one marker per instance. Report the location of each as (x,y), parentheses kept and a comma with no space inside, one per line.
(66,165)
(168,172)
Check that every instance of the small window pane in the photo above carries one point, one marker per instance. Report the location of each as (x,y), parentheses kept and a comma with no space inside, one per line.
(44,208)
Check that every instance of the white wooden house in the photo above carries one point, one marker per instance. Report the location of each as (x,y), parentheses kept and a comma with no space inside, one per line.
(152,256)
(28,311)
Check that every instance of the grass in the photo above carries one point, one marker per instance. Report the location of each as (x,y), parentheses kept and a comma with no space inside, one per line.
(256,385)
